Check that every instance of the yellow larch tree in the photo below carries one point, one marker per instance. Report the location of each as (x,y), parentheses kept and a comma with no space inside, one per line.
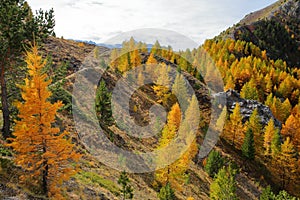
(286,163)
(135,58)
(114,59)
(270,131)
(150,64)
(234,128)
(161,89)
(42,151)
(175,173)
(151,59)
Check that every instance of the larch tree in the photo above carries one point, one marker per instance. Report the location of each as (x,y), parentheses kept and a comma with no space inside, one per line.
(161,89)
(286,108)
(179,88)
(286,163)
(169,132)
(235,128)
(249,90)
(151,59)
(135,58)
(270,131)
(42,151)
(124,63)
(276,143)
(114,59)
(175,173)
(291,129)
(18,27)
(156,49)
(151,64)
(230,84)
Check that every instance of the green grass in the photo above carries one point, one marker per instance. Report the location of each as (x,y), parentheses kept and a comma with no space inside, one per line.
(94,179)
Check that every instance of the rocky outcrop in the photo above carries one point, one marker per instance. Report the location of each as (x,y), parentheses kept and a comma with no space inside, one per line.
(248,106)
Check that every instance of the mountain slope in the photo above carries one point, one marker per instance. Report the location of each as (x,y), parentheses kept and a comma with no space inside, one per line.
(274,28)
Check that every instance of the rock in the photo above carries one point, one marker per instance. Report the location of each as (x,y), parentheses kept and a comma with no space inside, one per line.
(248,106)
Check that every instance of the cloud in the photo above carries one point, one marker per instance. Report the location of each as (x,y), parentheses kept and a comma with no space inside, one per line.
(103,19)
(96,3)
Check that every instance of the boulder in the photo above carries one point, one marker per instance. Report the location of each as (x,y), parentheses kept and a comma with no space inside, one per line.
(248,106)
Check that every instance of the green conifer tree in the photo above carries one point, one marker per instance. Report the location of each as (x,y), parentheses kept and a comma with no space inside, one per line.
(103,103)
(126,190)
(166,193)
(224,185)
(214,163)
(248,148)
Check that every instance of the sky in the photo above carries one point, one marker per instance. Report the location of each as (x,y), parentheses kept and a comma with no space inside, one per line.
(101,20)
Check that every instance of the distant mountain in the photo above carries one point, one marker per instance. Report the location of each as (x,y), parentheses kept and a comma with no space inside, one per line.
(275,29)
(111,46)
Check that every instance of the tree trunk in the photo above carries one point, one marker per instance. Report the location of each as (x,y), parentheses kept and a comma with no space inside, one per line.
(4,101)
(45,175)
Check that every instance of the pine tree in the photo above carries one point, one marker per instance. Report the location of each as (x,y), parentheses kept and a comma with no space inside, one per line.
(283,195)
(224,185)
(44,154)
(18,28)
(126,190)
(103,103)
(267,194)
(214,163)
(255,125)
(166,193)
(248,148)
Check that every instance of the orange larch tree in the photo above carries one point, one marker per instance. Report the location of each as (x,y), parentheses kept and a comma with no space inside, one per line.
(41,150)
(291,129)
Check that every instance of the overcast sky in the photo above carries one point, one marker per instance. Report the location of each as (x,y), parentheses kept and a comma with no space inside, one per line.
(99,20)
